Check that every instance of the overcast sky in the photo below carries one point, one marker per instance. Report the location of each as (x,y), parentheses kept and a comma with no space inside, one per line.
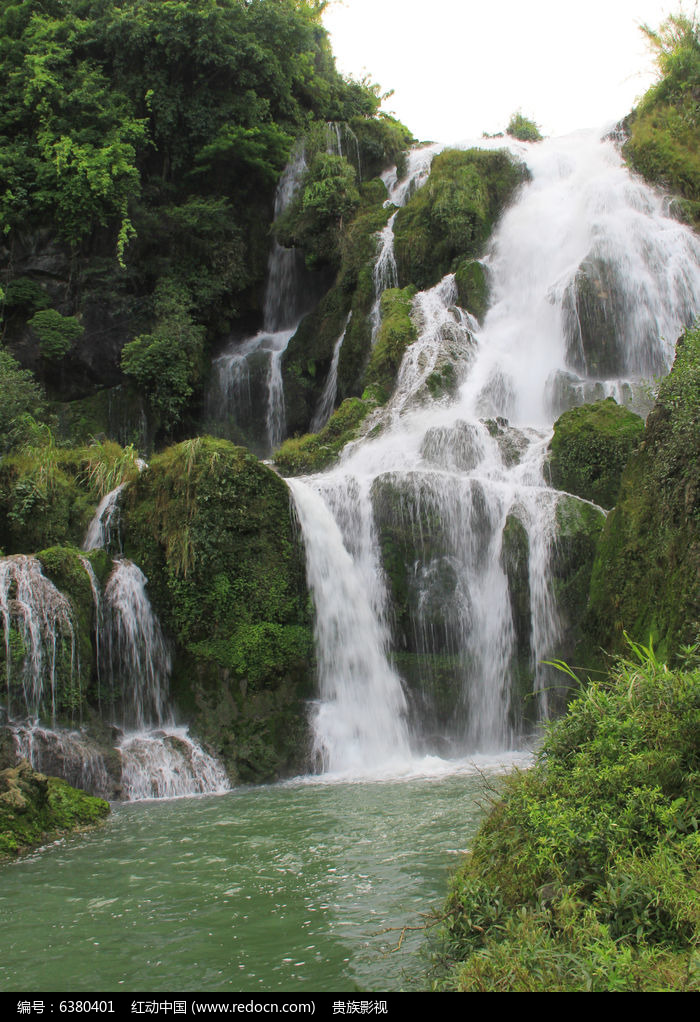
(460,67)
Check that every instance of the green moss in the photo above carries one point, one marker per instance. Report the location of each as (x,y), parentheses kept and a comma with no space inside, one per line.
(48,494)
(452,215)
(35,809)
(472,287)
(646,569)
(590,448)
(396,332)
(212,529)
(316,451)
(663,144)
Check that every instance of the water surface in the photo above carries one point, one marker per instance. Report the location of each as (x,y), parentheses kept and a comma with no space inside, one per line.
(291,887)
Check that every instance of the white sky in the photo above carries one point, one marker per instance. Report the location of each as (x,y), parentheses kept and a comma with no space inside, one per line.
(462,67)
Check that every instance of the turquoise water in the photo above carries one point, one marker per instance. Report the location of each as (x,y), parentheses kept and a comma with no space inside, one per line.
(292,887)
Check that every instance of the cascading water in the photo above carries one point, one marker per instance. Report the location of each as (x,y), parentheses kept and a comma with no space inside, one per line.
(444,501)
(103,530)
(159,760)
(40,640)
(287,299)
(326,403)
(43,679)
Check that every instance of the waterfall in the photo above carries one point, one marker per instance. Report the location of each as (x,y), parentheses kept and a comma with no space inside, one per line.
(159,759)
(351,636)
(326,402)
(154,758)
(104,522)
(443,503)
(136,657)
(288,297)
(40,639)
(384,275)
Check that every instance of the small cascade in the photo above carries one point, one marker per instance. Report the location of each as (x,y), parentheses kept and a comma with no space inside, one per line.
(289,295)
(416,174)
(159,759)
(153,757)
(40,640)
(326,403)
(137,662)
(341,140)
(167,763)
(431,546)
(66,754)
(103,531)
(99,624)
(384,275)
(359,722)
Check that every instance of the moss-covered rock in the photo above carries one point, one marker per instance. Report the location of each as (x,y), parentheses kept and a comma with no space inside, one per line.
(578,529)
(515,561)
(35,809)
(452,215)
(315,451)
(590,448)
(48,494)
(595,320)
(212,529)
(645,577)
(663,143)
(472,287)
(396,332)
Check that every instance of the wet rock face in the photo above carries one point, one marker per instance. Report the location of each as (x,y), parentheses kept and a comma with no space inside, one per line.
(605,336)
(594,320)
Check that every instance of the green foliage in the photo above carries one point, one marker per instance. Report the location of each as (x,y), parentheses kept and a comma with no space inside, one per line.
(316,451)
(23,294)
(590,448)
(211,528)
(396,332)
(645,575)
(315,220)
(57,334)
(584,875)
(663,131)
(523,128)
(167,363)
(48,494)
(110,466)
(452,215)
(21,400)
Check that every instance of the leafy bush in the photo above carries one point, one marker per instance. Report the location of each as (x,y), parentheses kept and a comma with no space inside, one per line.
(584,876)
(663,131)
(523,128)
(316,219)
(57,334)
(167,363)
(21,399)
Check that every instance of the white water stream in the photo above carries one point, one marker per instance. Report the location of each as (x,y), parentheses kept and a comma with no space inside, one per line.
(584,243)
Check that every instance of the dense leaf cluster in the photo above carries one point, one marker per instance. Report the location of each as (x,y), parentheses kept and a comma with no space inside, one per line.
(584,875)
(140,145)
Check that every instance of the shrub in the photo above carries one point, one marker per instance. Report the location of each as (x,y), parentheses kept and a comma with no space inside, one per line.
(57,334)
